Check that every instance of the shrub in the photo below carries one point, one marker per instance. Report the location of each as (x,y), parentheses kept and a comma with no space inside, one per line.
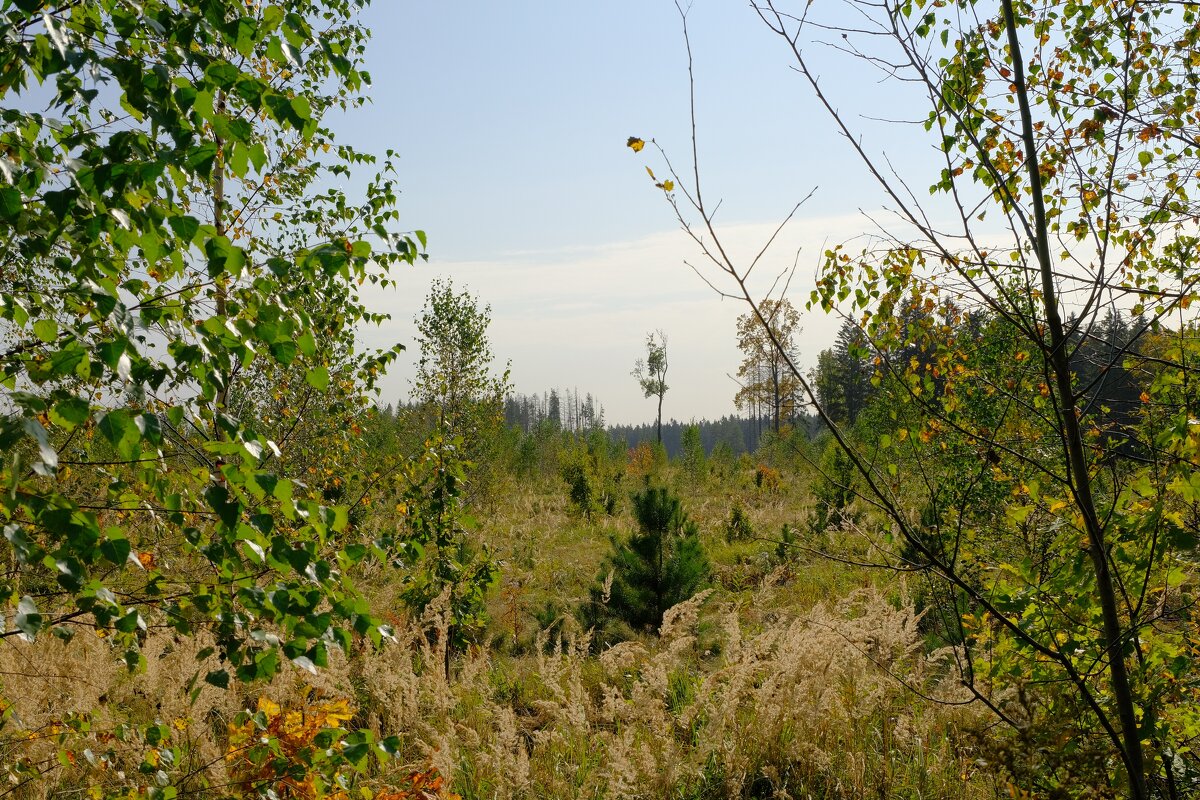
(589,492)
(693,459)
(640,461)
(722,461)
(785,548)
(288,750)
(738,527)
(834,491)
(767,478)
(591,476)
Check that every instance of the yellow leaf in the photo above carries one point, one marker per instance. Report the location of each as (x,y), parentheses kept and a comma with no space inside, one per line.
(668,186)
(337,712)
(635,144)
(650,172)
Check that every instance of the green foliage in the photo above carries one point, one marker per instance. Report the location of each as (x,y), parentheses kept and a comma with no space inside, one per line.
(833,492)
(1009,461)
(785,548)
(842,379)
(168,258)
(585,495)
(435,549)
(593,472)
(454,372)
(722,460)
(659,566)
(694,462)
(738,527)
(541,450)
(454,384)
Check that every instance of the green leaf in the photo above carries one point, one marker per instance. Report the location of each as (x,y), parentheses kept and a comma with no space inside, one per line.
(223,74)
(69,412)
(223,256)
(301,107)
(116,550)
(29,622)
(1018,514)
(218,678)
(284,351)
(184,226)
(356,747)
(307,344)
(228,509)
(201,159)
(114,425)
(258,156)
(11,203)
(134,660)
(129,623)
(272,16)
(318,378)
(239,157)
(46,330)
(283,491)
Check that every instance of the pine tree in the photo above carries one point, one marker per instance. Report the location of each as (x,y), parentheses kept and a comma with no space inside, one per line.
(661,565)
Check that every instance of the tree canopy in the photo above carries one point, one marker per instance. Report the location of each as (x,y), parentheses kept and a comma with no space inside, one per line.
(179,289)
(766,341)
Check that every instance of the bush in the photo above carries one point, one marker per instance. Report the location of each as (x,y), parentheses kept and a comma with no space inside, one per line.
(589,492)
(738,527)
(767,478)
(785,548)
(834,491)
(593,472)
(722,461)
(693,460)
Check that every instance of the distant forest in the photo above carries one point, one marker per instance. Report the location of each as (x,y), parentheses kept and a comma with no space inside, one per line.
(845,382)
(742,434)
(571,411)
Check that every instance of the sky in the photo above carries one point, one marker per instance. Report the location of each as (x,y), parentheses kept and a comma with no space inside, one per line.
(511,120)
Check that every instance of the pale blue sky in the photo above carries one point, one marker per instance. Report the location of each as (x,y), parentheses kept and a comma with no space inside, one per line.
(511,118)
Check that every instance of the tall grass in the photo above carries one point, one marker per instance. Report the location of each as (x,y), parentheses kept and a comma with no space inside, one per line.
(810,705)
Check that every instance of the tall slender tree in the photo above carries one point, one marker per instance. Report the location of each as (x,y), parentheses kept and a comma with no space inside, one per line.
(651,373)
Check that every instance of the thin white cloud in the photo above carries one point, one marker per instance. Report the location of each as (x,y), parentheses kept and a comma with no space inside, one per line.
(578,316)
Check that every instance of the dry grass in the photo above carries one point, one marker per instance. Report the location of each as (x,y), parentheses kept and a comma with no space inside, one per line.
(808,705)
(786,680)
